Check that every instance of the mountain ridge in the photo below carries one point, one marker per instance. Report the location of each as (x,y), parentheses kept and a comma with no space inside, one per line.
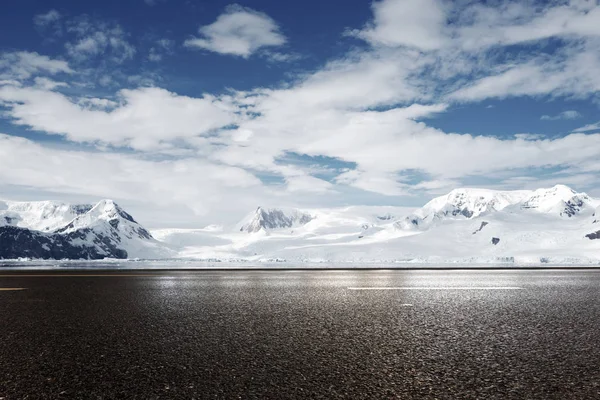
(465,224)
(98,231)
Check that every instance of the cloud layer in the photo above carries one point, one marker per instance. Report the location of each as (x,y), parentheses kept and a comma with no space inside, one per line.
(359,123)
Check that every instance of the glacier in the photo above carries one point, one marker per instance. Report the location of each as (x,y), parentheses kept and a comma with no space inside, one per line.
(467,226)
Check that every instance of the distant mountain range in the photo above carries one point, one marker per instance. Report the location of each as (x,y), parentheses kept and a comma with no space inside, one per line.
(55,230)
(467,225)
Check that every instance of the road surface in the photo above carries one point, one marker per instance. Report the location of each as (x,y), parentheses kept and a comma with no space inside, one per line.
(300,334)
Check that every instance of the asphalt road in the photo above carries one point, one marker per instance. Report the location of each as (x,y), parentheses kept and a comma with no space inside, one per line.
(300,334)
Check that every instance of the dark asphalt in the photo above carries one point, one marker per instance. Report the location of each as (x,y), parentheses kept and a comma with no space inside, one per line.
(300,334)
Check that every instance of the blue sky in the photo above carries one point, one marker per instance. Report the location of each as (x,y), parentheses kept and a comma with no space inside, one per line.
(213,107)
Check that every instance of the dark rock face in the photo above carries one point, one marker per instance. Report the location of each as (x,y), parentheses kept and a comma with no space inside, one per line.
(464,212)
(483,225)
(80,209)
(593,235)
(495,241)
(18,242)
(573,207)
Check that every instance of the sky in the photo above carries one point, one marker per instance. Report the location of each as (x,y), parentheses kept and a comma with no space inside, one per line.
(190,113)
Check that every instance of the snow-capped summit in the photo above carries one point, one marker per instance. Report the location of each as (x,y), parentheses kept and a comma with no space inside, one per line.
(45,216)
(107,212)
(101,231)
(273,218)
(561,200)
(462,203)
(108,225)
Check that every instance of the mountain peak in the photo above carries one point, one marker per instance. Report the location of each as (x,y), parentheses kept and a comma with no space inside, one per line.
(469,203)
(562,188)
(559,199)
(273,218)
(108,209)
(43,216)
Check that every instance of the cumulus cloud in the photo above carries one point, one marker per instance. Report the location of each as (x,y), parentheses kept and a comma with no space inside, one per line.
(23,65)
(145,119)
(239,31)
(367,111)
(413,23)
(569,114)
(435,24)
(189,182)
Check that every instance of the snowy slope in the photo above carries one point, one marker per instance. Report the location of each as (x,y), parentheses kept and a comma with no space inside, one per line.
(327,227)
(273,218)
(467,225)
(560,200)
(43,216)
(553,225)
(463,204)
(107,223)
(59,230)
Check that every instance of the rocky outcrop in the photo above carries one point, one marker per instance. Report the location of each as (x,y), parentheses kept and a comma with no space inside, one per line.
(593,235)
(102,231)
(16,242)
(483,225)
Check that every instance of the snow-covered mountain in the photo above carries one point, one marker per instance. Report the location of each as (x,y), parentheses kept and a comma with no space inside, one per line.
(39,230)
(466,225)
(555,225)
(43,216)
(595,235)
(273,218)
(560,200)
(460,204)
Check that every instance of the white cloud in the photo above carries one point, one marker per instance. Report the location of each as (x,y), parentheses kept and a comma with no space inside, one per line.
(435,24)
(363,115)
(461,40)
(239,31)
(306,183)
(146,118)
(569,114)
(529,136)
(589,127)
(161,48)
(414,23)
(10,82)
(23,65)
(49,20)
(513,22)
(98,39)
(571,72)
(48,84)
(188,182)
